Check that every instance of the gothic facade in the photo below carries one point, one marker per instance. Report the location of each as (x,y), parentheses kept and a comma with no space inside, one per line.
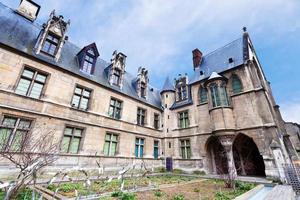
(221,117)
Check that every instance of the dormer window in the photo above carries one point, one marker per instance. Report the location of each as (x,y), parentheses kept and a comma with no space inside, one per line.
(142,82)
(117,69)
(116,77)
(143,90)
(50,44)
(87,58)
(88,63)
(181,88)
(52,36)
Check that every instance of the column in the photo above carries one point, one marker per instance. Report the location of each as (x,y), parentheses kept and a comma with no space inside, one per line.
(226,141)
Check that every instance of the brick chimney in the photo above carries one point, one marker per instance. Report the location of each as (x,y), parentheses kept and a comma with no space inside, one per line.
(197,58)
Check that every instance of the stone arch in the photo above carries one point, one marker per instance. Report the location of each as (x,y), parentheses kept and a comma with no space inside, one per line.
(247,158)
(216,156)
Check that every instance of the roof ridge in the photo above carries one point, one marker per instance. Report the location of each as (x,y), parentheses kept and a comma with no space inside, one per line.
(222,47)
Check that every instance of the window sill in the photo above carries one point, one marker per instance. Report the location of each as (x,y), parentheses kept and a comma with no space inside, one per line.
(79,109)
(218,107)
(179,129)
(24,96)
(201,104)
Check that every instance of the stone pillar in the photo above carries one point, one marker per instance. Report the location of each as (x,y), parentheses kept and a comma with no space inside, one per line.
(227,141)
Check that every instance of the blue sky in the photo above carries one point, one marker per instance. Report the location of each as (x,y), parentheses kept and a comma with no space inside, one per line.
(160,35)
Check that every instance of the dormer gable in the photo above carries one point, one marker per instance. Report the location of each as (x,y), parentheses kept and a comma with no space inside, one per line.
(53,36)
(142,82)
(181,87)
(117,69)
(87,58)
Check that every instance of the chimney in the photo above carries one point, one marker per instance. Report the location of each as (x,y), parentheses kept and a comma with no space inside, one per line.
(28,9)
(197,58)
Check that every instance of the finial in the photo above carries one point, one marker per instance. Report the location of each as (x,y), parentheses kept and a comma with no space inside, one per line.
(245,29)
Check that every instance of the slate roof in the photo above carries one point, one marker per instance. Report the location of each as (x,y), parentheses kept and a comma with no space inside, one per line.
(168,86)
(218,60)
(22,34)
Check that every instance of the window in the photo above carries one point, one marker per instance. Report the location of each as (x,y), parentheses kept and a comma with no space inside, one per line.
(139,147)
(12,132)
(143,90)
(116,77)
(183,119)
(202,95)
(156,149)
(236,85)
(185,147)
(156,121)
(88,64)
(115,108)
(141,115)
(81,98)
(31,83)
(71,140)
(110,145)
(219,95)
(182,92)
(50,44)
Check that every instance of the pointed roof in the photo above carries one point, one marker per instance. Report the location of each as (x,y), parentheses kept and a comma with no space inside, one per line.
(168,86)
(214,75)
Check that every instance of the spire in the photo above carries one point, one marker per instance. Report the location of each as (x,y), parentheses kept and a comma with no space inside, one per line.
(245,44)
(214,75)
(168,86)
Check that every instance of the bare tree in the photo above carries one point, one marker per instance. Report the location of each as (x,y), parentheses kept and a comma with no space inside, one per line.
(29,153)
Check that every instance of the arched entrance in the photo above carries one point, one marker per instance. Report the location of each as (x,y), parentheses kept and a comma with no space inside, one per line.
(216,155)
(247,159)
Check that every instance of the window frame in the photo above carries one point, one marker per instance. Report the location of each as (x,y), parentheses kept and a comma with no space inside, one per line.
(139,147)
(83,88)
(180,91)
(51,43)
(156,121)
(201,95)
(32,81)
(80,141)
(158,147)
(110,144)
(14,129)
(187,147)
(86,59)
(143,89)
(185,118)
(118,75)
(115,107)
(139,120)
(235,79)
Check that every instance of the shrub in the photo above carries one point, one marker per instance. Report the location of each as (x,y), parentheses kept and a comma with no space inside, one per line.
(221,196)
(158,193)
(178,171)
(197,190)
(243,186)
(178,197)
(198,172)
(128,196)
(160,169)
(117,193)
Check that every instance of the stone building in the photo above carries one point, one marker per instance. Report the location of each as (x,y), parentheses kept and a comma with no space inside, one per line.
(221,117)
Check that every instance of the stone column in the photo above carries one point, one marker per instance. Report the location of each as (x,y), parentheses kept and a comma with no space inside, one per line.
(227,141)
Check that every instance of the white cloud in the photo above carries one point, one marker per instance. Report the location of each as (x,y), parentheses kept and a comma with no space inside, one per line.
(291,111)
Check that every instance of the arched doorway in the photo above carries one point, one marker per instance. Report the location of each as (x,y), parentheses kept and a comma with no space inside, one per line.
(247,159)
(216,156)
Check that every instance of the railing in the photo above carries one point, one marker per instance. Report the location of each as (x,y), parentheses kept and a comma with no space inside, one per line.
(292,174)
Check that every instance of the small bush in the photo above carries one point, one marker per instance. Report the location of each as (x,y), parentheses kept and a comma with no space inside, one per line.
(160,169)
(221,196)
(198,172)
(243,186)
(197,190)
(128,196)
(178,197)
(178,171)
(158,193)
(117,193)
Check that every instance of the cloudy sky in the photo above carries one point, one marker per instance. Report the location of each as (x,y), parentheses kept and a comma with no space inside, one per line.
(160,35)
